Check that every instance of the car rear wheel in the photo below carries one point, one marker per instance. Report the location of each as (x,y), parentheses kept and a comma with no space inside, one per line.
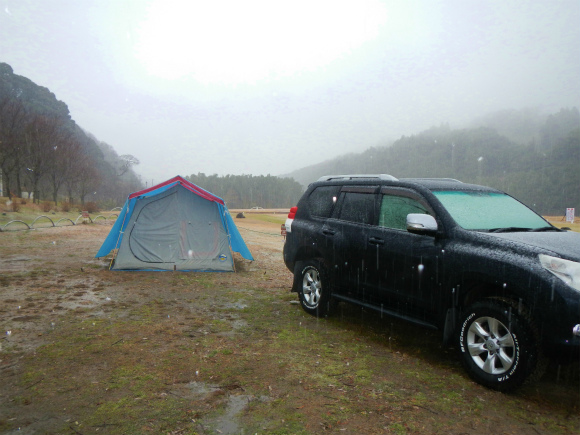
(498,344)
(313,289)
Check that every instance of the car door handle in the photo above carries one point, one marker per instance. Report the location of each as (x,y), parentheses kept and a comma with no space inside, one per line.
(376,241)
(329,232)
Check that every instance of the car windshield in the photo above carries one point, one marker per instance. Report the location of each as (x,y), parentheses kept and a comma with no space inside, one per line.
(489,211)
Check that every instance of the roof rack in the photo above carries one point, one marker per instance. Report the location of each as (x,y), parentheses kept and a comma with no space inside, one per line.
(435,179)
(357,176)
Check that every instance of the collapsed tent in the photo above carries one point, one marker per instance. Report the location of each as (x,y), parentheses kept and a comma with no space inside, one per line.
(174,225)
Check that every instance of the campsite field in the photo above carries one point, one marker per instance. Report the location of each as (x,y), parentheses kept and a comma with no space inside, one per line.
(84,350)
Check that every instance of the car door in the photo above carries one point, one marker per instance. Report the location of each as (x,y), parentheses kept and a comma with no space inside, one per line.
(402,266)
(348,228)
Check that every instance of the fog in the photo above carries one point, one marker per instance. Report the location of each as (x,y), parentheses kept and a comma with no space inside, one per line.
(268,87)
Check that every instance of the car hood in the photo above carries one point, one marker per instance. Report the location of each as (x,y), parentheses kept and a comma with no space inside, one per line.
(565,244)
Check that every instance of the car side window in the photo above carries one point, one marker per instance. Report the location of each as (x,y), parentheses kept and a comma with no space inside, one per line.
(394,211)
(322,200)
(358,207)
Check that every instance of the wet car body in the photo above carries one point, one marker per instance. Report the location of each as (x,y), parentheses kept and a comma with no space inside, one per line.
(505,265)
(433,276)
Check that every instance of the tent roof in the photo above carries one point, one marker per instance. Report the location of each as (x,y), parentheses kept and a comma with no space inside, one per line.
(154,190)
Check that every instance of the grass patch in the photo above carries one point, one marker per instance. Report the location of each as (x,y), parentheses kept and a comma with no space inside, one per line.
(169,353)
(269,218)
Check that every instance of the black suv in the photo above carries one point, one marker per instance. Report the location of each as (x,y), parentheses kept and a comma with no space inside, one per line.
(471,261)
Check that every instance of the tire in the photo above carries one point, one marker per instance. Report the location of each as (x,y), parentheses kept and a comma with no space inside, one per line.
(313,288)
(498,344)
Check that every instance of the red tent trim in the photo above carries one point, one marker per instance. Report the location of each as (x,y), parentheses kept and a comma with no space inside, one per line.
(188,185)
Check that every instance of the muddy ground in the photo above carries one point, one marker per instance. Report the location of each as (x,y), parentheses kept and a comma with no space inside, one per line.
(85,350)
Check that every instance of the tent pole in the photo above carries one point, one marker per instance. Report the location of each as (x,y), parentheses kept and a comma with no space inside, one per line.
(120,232)
(225,222)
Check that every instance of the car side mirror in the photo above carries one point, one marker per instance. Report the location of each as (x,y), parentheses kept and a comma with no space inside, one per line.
(421,223)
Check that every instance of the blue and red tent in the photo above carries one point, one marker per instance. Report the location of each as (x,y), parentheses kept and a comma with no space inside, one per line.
(174,225)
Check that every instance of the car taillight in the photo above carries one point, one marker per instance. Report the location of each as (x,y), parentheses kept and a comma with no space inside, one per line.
(288,225)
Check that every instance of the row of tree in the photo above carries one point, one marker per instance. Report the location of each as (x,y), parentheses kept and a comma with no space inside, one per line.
(40,148)
(44,154)
(247,191)
(543,173)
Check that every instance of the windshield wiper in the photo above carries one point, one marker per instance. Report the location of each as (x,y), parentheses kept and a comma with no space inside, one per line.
(517,229)
(508,230)
(546,229)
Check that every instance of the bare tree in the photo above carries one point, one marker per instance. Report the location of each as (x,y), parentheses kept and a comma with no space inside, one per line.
(66,155)
(127,160)
(12,121)
(90,178)
(82,176)
(42,137)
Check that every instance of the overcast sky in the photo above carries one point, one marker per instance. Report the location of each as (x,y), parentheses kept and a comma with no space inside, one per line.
(267,87)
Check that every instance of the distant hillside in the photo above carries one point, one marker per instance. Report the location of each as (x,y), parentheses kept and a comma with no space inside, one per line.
(543,173)
(45,152)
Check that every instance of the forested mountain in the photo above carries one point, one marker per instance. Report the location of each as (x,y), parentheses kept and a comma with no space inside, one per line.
(544,173)
(533,156)
(44,152)
(246,191)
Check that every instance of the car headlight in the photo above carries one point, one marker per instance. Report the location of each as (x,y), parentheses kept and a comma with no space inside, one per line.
(568,271)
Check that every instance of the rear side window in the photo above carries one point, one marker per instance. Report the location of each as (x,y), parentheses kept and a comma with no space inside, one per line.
(394,211)
(322,199)
(358,207)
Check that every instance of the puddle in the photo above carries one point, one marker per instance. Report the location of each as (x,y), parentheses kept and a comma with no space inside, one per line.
(239,305)
(236,325)
(227,422)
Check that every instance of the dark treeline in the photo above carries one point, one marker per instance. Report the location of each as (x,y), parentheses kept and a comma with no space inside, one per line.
(247,191)
(44,154)
(544,173)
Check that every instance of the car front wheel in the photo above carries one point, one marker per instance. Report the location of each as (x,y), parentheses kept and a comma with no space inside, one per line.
(313,289)
(498,344)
